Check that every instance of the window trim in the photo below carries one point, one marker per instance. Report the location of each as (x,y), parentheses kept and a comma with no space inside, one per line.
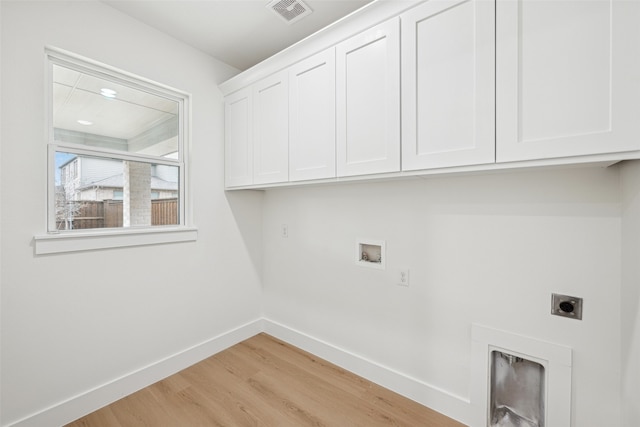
(80,240)
(56,241)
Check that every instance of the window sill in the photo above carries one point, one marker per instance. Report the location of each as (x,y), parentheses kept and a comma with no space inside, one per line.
(74,241)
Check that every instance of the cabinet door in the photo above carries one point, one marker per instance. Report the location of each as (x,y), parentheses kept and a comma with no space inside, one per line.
(238,143)
(567,78)
(312,118)
(368,101)
(271,129)
(448,75)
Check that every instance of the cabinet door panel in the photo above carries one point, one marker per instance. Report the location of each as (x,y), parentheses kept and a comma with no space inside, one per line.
(312,118)
(565,84)
(448,80)
(238,139)
(271,130)
(368,101)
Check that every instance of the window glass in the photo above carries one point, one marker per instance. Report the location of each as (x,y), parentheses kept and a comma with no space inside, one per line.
(117,156)
(92,111)
(112,193)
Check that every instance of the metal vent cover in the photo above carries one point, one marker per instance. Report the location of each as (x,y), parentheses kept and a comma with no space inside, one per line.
(289,10)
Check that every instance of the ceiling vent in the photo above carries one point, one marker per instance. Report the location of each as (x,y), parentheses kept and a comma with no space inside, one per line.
(289,10)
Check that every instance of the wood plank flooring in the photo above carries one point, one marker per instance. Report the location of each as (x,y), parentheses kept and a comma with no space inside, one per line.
(264,382)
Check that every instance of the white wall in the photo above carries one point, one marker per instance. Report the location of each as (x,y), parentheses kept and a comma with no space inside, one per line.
(630,308)
(488,248)
(67,327)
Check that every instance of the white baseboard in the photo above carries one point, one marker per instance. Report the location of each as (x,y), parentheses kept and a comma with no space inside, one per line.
(456,407)
(453,406)
(91,400)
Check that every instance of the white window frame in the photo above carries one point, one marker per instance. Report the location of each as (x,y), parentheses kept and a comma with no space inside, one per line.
(55,241)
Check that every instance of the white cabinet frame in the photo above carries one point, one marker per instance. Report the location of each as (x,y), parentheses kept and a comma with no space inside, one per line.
(448,84)
(368,101)
(567,74)
(271,129)
(312,117)
(238,138)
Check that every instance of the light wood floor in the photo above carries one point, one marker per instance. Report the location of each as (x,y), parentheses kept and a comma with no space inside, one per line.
(264,382)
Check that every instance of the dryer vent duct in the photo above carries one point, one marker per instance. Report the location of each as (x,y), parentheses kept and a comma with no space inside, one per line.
(289,11)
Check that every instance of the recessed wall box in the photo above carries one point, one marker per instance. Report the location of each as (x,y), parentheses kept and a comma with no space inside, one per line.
(517,393)
(370,253)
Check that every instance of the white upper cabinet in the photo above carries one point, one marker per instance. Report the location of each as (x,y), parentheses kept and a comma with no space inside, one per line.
(448,84)
(312,118)
(567,78)
(271,129)
(238,141)
(368,101)
(441,87)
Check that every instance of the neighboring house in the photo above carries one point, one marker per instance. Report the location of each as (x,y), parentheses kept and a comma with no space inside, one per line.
(88,178)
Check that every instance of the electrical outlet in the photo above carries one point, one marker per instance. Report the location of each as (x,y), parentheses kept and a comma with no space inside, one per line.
(284,231)
(403,277)
(566,306)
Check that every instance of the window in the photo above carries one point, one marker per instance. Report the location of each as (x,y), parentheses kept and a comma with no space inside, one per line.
(117,148)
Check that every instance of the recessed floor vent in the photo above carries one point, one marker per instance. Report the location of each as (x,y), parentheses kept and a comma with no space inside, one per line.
(289,11)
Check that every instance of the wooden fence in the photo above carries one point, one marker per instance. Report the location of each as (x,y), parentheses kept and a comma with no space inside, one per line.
(108,214)
(164,212)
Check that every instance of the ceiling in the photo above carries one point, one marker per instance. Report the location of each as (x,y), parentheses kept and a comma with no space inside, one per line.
(240,33)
